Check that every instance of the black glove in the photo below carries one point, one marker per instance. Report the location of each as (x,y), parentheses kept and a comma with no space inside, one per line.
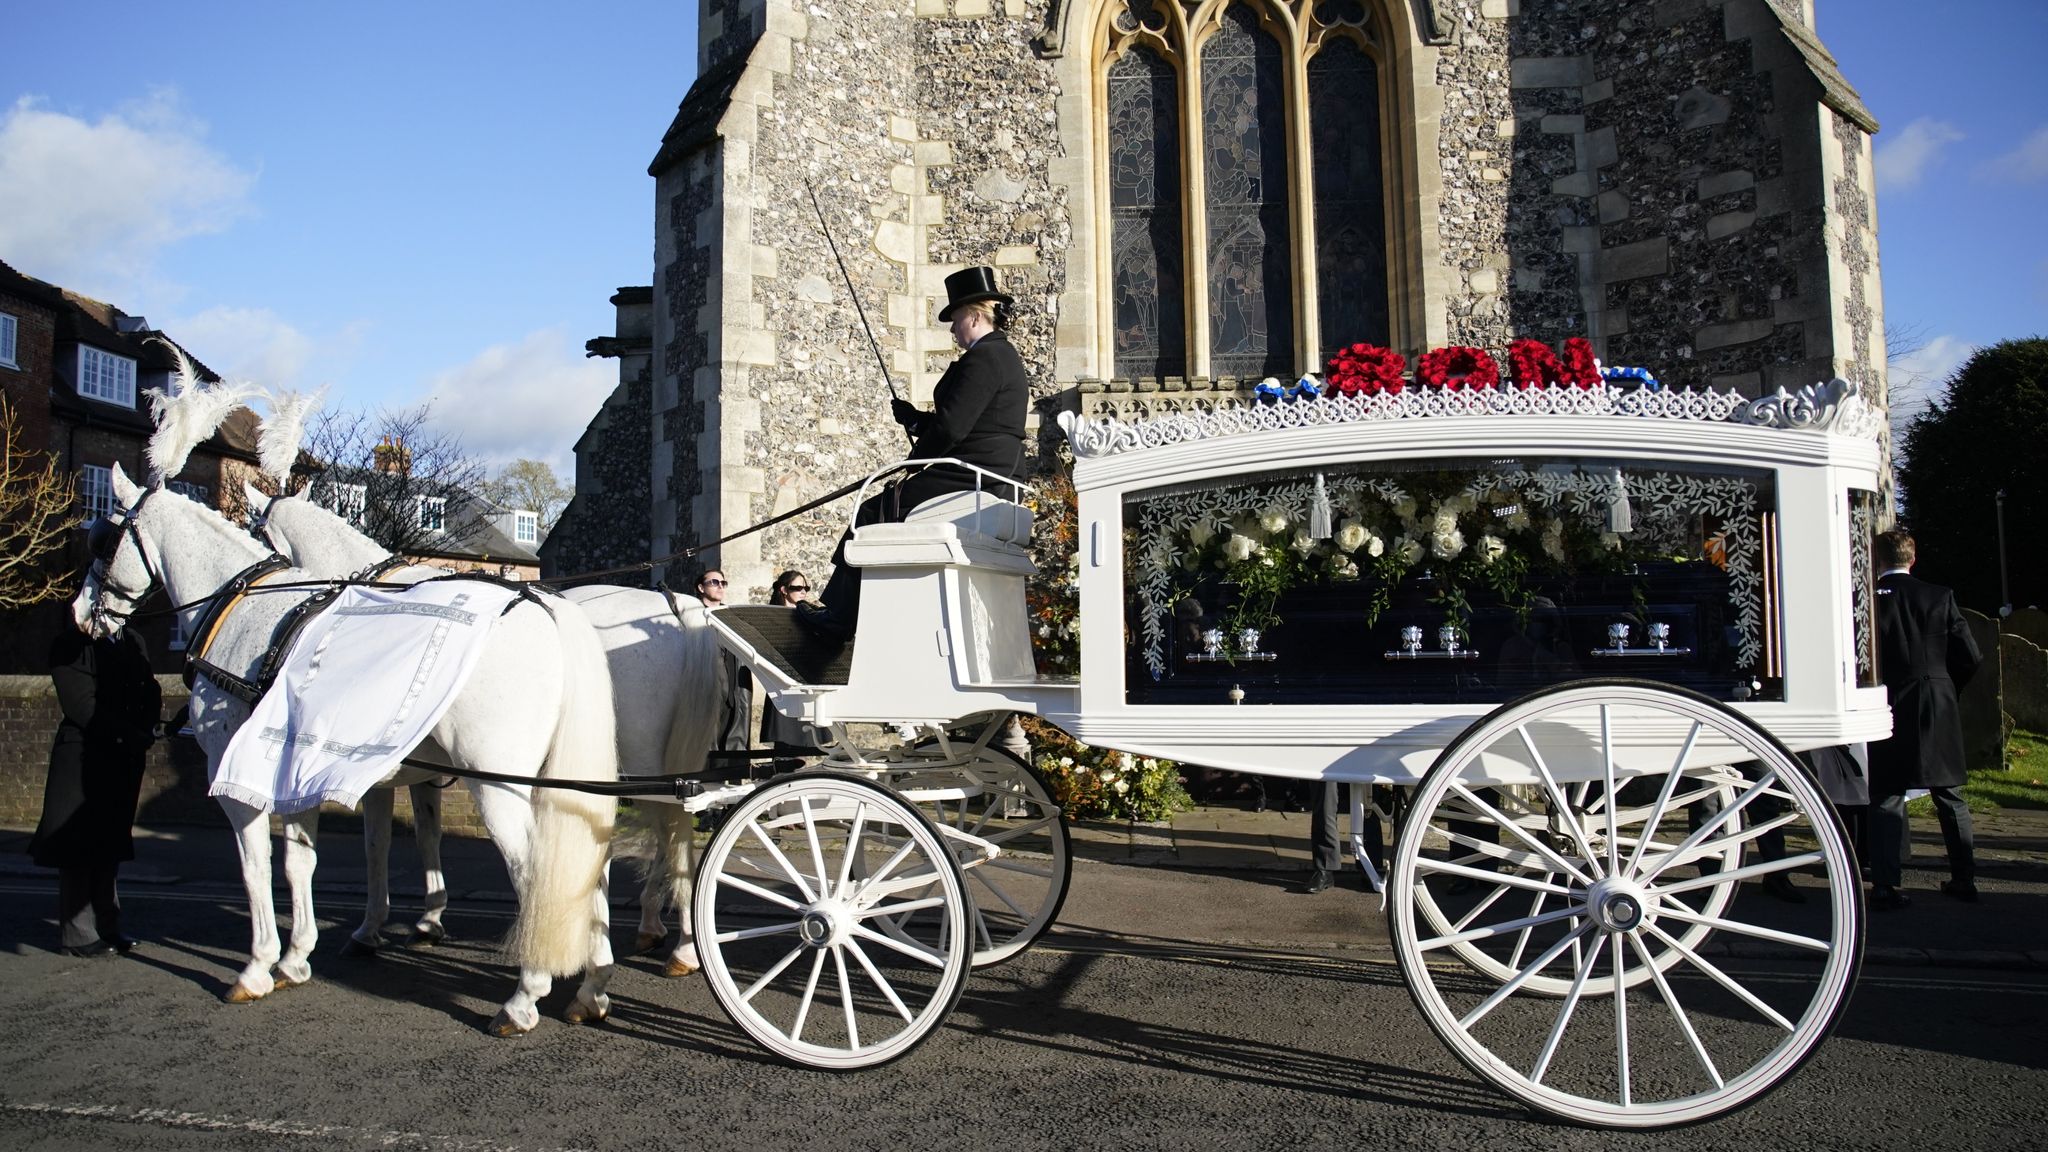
(907,414)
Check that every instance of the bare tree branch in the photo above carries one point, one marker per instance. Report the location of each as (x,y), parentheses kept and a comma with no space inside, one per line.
(383,467)
(38,508)
(534,486)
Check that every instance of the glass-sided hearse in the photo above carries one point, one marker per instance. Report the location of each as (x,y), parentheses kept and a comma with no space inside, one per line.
(1577,633)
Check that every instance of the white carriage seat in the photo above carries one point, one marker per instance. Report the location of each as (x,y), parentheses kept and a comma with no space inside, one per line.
(967,528)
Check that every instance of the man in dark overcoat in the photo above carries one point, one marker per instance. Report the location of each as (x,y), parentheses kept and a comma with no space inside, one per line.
(977,415)
(111,705)
(1925,652)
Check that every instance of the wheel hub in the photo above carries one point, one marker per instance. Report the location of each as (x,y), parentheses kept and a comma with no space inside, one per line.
(818,928)
(1618,905)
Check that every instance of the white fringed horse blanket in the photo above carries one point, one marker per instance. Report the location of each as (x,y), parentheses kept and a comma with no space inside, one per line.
(365,682)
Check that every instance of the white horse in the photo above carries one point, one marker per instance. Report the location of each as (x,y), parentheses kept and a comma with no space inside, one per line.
(539,703)
(664,670)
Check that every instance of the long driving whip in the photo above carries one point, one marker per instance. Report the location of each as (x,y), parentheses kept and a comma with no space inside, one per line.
(857,309)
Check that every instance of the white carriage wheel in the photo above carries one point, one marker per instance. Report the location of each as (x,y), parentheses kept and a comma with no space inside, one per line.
(1015,897)
(831,920)
(1451,913)
(1713,1029)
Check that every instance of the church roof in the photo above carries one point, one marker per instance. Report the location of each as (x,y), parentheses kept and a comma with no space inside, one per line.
(1835,91)
(696,122)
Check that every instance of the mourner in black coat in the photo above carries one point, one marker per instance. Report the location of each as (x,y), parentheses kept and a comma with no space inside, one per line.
(1925,652)
(111,705)
(977,416)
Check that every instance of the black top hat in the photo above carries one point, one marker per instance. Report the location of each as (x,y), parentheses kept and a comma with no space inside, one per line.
(969,285)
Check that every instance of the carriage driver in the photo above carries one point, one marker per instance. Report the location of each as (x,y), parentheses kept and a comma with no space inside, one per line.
(977,416)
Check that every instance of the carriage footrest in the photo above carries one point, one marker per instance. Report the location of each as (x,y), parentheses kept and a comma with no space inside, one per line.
(774,633)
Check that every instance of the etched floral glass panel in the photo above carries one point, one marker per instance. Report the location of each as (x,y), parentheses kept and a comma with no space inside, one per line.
(1863,506)
(1350,220)
(1450,581)
(1244,159)
(1144,212)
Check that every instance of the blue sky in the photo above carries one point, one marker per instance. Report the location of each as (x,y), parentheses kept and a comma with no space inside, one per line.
(436,200)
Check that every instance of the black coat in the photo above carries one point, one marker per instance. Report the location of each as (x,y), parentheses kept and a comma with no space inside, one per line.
(1924,653)
(978,410)
(110,702)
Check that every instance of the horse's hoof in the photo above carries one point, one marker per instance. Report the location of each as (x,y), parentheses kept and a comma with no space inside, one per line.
(357,949)
(503,1025)
(426,936)
(243,994)
(647,942)
(287,980)
(678,968)
(580,1013)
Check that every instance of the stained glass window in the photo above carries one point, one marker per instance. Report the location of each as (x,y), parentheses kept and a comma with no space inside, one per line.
(1350,220)
(1144,209)
(1244,151)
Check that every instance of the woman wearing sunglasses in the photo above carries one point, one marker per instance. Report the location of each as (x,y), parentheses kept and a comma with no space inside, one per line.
(791,739)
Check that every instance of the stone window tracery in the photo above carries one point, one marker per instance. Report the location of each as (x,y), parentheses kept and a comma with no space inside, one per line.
(1241,140)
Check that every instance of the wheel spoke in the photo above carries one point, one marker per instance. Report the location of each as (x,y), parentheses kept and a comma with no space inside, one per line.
(1621,1018)
(1521,977)
(1671,779)
(989,883)
(1564,1011)
(788,869)
(756,933)
(1719,844)
(1489,850)
(1499,890)
(1482,875)
(1522,941)
(1009,834)
(1738,875)
(1678,911)
(1561,809)
(748,886)
(874,892)
(769,976)
(905,908)
(1699,1049)
(1500,929)
(1008,864)
(803,1007)
(1607,774)
(908,947)
(877,876)
(1713,824)
(888,992)
(846,1000)
(1544,850)
(853,843)
(1721,978)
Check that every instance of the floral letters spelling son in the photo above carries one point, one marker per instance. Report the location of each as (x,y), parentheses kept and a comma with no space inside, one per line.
(1369,370)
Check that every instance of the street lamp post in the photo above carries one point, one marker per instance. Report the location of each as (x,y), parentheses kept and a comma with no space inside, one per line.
(2004,595)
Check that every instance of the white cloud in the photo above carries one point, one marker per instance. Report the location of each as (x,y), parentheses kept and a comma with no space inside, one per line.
(530,399)
(1912,151)
(1917,377)
(89,205)
(252,344)
(2025,164)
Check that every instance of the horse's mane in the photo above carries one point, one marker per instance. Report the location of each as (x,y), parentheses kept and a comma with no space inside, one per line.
(186,413)
(277,443)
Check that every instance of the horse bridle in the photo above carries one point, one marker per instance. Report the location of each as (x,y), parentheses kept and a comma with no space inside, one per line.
(103,541)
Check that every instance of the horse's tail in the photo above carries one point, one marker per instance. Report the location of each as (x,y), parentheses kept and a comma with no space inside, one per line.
(558,918)
(693,722)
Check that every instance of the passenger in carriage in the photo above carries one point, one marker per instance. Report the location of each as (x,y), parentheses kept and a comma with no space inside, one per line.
(977,415)
(790,739)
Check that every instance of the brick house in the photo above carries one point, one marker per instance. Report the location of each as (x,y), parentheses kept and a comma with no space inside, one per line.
(77,372)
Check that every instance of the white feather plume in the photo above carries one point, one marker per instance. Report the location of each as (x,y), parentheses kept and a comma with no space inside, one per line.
(186,413)
(277,445)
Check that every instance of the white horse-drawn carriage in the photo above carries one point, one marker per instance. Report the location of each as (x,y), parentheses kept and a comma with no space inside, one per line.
(1642,604)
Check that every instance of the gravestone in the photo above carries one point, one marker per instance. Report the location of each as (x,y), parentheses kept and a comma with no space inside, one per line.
(2025,673)
(1983,699)
(2031,623)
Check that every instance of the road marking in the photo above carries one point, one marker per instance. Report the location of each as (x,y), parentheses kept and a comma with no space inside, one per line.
(199,1121)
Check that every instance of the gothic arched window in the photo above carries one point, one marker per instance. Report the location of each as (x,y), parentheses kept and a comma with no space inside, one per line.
(1243,144)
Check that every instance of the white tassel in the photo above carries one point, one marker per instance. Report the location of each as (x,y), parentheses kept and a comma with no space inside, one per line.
(186,413)
(1319,512)
(277,444)
(1620,518)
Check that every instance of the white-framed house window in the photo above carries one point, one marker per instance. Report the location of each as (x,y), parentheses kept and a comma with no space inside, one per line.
(198,492)
(95,491)
(106,377)
(433,513)
(348,501)
(10,330)
(526,527)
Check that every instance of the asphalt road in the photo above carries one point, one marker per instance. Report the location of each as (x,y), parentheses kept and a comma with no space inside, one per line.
(1158,1037)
